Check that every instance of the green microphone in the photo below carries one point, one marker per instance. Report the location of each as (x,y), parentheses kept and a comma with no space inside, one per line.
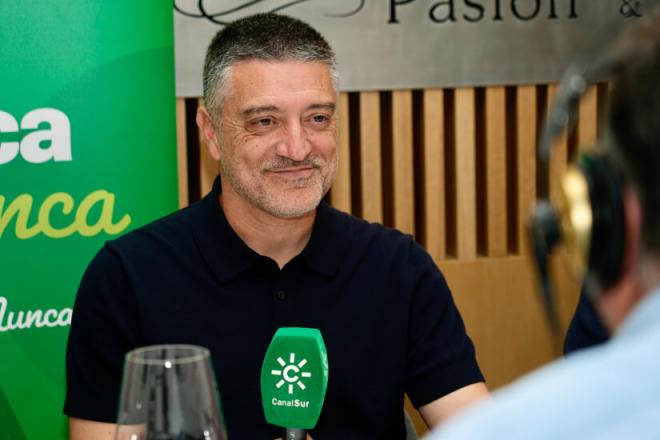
(294,378)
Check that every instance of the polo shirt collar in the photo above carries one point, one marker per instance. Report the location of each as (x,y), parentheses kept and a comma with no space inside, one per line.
(324,251)
(224,251)
(228,256)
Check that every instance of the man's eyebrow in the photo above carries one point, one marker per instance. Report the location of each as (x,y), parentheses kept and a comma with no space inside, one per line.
(273,108)
(261,109)
(323,106)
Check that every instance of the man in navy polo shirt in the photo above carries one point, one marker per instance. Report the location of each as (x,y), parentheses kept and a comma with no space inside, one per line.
(262,251)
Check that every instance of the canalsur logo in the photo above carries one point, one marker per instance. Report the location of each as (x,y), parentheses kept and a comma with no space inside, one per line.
(294,377)
(291,373)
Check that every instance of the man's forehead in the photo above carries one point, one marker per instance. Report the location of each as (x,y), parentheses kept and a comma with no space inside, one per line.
(254,70)
(258,85)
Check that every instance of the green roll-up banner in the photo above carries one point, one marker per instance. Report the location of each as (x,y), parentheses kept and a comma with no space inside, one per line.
(87,152)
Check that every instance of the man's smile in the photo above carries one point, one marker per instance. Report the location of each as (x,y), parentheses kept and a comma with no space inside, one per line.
(293,173)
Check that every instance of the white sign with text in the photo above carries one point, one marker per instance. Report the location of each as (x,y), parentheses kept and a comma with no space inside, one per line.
(394,44)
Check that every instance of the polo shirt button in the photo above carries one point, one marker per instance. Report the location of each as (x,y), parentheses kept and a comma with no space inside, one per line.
(281,295)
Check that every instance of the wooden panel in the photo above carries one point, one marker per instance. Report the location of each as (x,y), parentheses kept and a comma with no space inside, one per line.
(370,157)
(340,194)
(182,151)
(495,144)
(603,93)
(503,312)
(208,166)
(525,161)
(588,122)
(466,179)
(559,153)
(504,316)
(402,155)
(434,173)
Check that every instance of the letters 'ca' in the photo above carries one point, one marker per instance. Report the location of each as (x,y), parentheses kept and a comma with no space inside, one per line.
(33,147)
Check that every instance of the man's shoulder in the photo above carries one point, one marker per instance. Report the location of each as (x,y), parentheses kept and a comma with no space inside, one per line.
(360,230)
(375,245)
(170,231)
(591,392)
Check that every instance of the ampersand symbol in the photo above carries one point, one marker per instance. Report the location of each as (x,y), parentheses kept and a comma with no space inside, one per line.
(630,10)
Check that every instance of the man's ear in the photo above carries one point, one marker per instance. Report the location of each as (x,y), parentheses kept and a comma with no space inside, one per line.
(632,207)
(208,129)
(617,301)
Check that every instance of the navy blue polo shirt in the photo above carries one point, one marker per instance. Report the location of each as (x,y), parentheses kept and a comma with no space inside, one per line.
(385,312)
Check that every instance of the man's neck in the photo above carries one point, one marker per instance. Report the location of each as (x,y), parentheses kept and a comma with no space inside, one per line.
(277,238)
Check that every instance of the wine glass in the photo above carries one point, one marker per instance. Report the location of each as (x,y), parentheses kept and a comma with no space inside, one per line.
(169,393)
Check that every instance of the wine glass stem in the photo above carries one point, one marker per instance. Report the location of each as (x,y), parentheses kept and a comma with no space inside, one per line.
(294,434)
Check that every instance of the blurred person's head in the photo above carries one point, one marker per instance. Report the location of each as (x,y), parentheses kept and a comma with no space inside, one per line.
(634,144)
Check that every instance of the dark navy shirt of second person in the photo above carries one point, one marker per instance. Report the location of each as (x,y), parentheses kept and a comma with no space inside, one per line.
(383,308)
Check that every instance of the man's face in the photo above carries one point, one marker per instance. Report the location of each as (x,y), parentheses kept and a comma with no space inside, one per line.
(277,140)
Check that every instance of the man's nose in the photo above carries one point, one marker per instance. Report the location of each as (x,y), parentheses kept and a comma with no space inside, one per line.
(295,145)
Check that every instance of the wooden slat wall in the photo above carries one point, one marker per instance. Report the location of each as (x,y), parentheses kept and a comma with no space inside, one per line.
(457,168)
(495,147)
(371,198)
(588,124)
(433,174)
(403,194)
(182,152)
(526,134)
(465,166)
(560,156)
(340,197)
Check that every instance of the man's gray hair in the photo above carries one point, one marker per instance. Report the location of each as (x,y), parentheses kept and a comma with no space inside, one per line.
(268,37)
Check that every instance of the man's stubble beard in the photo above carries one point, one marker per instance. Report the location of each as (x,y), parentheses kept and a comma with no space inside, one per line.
(269,201)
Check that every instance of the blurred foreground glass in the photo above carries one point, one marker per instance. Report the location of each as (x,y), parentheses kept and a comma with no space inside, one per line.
(169,393)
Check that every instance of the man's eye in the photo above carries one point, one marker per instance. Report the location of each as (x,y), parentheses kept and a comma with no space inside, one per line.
(262,124)
(320,118)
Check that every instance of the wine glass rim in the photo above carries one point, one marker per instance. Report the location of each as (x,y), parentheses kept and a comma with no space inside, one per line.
(198,353)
